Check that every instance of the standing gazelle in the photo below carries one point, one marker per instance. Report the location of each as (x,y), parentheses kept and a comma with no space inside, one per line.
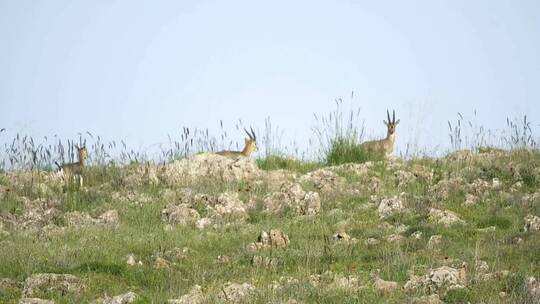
(250,147)
(384,146)
(71,171)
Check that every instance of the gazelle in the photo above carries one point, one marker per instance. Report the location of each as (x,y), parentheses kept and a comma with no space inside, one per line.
(250,147)
(385,145)
(74,170)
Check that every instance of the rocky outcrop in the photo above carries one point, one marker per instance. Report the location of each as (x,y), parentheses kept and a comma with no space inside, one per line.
(532,223)
(47,282)
(441,278)
(78,219)
(273,239)
(194,296)
(444,217)
(389,207)
(236,293)
(291,195)
(210,166)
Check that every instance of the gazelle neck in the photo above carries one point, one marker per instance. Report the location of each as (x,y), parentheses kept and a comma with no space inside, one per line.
(391,137)
(81,159)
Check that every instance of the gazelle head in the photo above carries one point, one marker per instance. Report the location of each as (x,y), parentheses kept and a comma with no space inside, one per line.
(391,123)
(83,153)
(251,143)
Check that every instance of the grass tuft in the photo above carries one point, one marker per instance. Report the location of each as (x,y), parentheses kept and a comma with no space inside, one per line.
(347,150)
(275,162)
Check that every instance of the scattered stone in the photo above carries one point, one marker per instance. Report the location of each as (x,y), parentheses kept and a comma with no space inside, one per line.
(175,254)
(7,283)
(203,223)
(194,296)
(61,283)
(444,277)
(417,235)
(394,238)
(532,286)
(283,282)
(38,213)
(236,293)
(385,286)
(402,228)
(3,232)
(345,283)
(324,180)
(434,241)
(496,184)
(274,179)
(275,239)
(78,219)
(470,200)
(335,281)
(291,195)
(228,206)
(389,207)
(441,191)
(343,237)
(444,217)
(109,217)
(125,298)
(210,166)
(35,301)
(481,266)
(131,261)
(223,259)
(181,214)
(357,169)
(487,229)
(133,198)
(431,299)
(372,241)
(532,223)
(161,263)
(479,186)
(516,187)
(493,275)
(261,261)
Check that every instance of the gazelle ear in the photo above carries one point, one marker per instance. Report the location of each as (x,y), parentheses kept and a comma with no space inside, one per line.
(385,123)
(396,122)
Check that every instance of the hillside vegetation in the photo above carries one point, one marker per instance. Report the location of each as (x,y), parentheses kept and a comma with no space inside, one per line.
(207,229)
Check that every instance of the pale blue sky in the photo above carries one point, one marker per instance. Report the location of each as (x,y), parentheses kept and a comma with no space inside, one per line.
(139,70)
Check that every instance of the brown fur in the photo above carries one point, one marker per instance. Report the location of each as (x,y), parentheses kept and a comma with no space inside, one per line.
(249,148)
(76,169)
(385,145)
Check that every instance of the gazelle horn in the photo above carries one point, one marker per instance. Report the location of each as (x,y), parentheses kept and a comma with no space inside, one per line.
(249,135)
(253,133)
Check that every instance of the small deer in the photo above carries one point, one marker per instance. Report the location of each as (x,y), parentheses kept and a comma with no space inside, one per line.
(250,147)
(385,145)
(76,169)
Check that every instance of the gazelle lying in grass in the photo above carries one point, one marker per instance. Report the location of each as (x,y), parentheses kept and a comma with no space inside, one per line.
(250,147)
(384,146)
(72,171)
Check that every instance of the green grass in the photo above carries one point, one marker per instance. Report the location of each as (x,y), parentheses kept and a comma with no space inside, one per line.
(347,150)
(98,254)
(275,162)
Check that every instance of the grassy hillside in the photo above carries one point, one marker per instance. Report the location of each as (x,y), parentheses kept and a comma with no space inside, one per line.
(461,228)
